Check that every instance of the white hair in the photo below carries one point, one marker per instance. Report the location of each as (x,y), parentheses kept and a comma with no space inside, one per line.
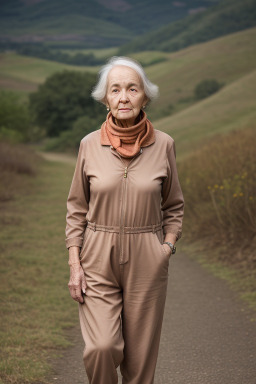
(100,90)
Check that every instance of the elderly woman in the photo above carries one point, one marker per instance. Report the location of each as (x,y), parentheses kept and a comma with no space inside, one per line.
(124,215)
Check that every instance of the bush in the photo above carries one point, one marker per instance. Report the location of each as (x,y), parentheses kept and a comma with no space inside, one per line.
(70,140)
(219,188)
(15,122)
(206,88)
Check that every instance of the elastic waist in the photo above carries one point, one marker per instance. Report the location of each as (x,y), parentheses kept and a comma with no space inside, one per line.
(117,229)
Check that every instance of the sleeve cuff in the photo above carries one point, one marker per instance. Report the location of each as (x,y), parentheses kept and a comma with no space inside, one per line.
(75,241)
(174,230)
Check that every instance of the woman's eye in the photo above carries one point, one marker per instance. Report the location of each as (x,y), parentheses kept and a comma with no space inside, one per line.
(133,89)
(114,90)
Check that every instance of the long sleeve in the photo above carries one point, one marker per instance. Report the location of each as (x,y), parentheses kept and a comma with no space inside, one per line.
(172,197)
(77,202)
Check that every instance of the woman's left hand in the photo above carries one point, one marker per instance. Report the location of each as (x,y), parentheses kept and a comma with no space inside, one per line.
(167,249)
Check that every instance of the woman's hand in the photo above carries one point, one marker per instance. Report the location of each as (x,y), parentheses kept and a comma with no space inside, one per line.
(171,237)
(167,249)
(77,282)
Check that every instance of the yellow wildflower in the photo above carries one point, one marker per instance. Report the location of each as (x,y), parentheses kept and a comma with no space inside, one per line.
(235,195)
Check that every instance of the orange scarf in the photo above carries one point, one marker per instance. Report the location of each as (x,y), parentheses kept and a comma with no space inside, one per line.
(140,135)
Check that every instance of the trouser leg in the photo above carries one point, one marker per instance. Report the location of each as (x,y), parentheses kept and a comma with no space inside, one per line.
(144,283)
(100,315)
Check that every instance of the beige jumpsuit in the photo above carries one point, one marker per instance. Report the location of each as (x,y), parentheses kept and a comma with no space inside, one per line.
(118,215)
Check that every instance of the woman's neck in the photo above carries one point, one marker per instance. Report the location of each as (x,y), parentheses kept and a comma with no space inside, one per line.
(127,123)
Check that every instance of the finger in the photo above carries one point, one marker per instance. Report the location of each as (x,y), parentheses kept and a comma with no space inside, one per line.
(84,285)
(78,295)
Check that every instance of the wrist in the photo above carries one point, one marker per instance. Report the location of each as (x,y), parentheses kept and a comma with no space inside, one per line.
(171,246)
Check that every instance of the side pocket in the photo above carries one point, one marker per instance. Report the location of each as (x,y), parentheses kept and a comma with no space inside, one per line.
(160,238)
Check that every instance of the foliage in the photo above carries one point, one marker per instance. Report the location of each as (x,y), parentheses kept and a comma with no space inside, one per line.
(227,17)
(206,88)
(15,122)
(219,187)
(43,52)
(69,141)
(62,99)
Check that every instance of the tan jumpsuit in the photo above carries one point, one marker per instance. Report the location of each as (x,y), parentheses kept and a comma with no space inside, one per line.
(118,215)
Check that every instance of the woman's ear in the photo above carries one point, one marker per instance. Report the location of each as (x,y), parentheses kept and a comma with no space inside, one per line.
(145,102)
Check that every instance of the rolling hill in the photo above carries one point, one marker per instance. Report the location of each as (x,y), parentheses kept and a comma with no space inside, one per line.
(226,59)
(227,17)
(232,108)
(94,23)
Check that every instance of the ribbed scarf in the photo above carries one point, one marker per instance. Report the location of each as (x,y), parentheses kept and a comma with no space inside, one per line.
(140,135)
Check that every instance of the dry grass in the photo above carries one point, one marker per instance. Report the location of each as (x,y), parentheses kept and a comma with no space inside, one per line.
(219,187)
(17,163)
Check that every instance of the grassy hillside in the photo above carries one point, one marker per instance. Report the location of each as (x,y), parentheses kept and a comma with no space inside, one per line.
(225,59)
(227,17)
(23,74)
(232,108)
(94,23)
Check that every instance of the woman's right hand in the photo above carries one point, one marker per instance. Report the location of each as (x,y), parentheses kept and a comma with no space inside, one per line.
(77,282)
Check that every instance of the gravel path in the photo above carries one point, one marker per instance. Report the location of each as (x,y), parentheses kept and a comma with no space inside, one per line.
(208,335)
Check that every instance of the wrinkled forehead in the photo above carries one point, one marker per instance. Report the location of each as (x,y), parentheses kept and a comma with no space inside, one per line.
(122,74)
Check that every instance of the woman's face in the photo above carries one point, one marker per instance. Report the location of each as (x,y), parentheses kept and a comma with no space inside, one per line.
(125,94)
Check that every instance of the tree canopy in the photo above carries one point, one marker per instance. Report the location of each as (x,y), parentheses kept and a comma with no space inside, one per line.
(62,99)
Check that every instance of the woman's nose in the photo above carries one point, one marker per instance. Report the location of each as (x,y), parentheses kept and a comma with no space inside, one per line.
(123,97)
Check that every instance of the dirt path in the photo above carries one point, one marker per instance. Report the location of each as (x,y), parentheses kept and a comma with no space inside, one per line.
(208,335)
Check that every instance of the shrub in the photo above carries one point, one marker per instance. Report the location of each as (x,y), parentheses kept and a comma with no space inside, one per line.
(69,141)
(219,188)
(206,88)
(15,122)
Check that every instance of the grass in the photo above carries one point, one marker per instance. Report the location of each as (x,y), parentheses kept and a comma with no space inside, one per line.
(35,303)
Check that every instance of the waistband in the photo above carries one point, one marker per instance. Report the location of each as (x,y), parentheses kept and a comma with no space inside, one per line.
(117,229)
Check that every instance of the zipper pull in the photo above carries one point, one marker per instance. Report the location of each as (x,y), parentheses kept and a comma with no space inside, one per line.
(125,172)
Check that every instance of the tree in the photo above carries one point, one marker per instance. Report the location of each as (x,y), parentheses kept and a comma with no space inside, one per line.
(62,99)
(206,88)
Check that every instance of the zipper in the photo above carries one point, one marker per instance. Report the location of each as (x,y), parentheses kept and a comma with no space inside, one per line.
(123,204)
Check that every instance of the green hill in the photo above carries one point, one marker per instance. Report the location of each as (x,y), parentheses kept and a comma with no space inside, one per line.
(227,17)
(225,59)
(232,108)
(94,23)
